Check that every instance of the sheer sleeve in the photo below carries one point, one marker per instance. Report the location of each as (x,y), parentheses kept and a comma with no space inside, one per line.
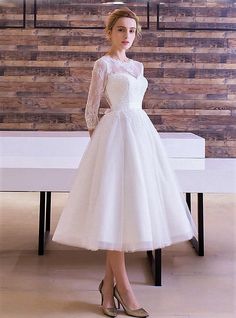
(96,89)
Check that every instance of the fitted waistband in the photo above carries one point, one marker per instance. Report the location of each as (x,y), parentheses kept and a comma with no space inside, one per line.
(125,110)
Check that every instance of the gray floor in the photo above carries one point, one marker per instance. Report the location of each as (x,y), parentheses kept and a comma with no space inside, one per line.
(63,282)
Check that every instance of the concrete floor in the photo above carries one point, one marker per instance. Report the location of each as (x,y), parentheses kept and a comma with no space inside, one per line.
(63,282)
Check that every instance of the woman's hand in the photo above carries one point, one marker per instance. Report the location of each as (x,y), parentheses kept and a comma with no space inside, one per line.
(91,132)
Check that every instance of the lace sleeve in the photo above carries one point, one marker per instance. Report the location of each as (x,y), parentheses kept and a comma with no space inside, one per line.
(96,89)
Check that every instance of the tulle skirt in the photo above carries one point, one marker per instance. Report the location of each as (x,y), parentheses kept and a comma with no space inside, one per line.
(125,194)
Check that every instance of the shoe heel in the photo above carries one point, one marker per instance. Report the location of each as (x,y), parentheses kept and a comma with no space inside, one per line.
(111,312)
(140,312)
(118,304)
(100,290)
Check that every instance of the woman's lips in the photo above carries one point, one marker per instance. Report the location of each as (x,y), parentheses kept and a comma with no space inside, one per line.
(125,42)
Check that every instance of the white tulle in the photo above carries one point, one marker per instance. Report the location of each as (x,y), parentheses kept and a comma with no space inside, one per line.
(125,194)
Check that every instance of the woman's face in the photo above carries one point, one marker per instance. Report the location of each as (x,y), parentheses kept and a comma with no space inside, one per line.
(123,33)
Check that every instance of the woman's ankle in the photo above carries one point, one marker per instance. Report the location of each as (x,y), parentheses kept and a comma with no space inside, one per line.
(123,287)
(127,295)
(108,282)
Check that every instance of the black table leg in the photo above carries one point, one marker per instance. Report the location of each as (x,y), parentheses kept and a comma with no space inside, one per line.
(155,263)
(44,220)
(41,223)
(198,243)
(200,225)
(48,212)
(188,200)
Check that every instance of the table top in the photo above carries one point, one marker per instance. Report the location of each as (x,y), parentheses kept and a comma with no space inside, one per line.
(73,144)
(212,175)
(84,133)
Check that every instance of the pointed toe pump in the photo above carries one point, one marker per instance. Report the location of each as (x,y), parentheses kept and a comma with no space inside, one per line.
(140,312)
(111,312)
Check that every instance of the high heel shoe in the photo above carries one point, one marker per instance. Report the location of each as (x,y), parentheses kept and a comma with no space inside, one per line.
(111,312)
(140,312)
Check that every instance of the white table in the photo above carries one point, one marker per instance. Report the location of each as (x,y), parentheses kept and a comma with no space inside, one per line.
(46,162)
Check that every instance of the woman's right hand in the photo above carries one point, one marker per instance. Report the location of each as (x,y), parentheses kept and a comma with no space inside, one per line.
(91,132)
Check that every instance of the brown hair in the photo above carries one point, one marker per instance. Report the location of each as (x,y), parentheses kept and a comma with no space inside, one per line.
(120,13)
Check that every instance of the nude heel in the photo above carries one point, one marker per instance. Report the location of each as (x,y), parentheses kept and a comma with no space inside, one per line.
(111,312)
(140,312)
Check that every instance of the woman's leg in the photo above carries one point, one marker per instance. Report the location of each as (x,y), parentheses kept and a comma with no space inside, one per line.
(115,268)
(108,285)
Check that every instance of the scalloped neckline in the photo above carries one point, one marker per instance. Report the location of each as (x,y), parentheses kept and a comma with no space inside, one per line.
(126,73)
(117,60)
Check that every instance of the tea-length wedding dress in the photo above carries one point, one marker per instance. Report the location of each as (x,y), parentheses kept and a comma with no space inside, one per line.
(125,194)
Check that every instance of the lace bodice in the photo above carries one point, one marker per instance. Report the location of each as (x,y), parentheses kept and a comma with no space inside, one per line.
(105,69)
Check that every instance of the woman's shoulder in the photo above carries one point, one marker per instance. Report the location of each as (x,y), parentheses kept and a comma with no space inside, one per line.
(104,59)
(100,64)
(139,63)
(100,61)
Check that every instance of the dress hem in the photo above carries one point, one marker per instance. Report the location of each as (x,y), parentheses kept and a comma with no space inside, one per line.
(128,248)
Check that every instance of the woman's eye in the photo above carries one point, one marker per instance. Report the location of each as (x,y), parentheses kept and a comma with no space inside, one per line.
(131,31)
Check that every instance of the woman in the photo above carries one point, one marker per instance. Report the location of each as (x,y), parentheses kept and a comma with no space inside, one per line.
(125,197)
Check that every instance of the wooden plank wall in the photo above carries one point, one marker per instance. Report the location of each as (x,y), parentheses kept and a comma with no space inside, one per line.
(188,50)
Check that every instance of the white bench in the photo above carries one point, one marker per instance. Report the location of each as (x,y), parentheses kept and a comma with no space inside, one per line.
(46,162)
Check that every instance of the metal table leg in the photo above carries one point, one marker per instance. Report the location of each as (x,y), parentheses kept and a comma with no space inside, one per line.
(198,243)
(155,263)
(48,212)
(44,215)
(41,224)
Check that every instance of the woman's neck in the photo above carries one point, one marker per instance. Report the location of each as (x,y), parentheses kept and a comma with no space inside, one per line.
(118,55)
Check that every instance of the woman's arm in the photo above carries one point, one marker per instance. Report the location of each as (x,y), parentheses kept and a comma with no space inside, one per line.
(96,89)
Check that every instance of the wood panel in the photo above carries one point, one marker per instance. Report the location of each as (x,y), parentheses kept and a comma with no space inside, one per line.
(45,71)
(12,13)
(196,16)
(73,14)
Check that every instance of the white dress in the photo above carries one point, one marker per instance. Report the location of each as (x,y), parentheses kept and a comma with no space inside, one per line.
(125,195)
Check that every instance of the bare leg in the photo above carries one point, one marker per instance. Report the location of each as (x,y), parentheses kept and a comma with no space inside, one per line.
(108,284)
(115,268)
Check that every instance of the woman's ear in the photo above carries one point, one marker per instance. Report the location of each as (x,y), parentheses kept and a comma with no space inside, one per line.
(135,41)
(109,35)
